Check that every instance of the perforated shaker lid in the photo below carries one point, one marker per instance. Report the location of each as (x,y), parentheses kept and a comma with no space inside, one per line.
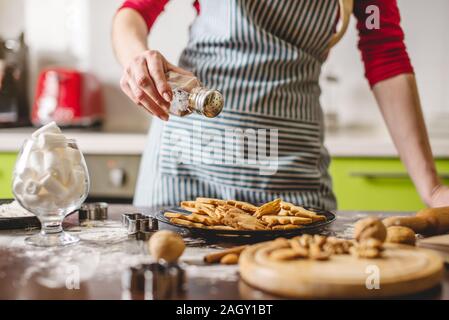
(212,103)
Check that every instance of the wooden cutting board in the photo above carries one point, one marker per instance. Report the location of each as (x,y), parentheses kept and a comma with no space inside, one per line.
(403,270)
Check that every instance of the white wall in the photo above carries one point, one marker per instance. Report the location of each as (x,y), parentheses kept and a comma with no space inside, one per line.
(425,24)
(11,18)
(169,35)
(77,33)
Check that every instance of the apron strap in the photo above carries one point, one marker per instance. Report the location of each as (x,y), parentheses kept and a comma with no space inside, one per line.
(346,8)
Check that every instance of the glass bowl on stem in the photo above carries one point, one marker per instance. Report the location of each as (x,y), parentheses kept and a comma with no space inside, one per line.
(50,183)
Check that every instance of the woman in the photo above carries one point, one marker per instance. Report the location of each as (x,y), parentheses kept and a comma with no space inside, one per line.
(266,58)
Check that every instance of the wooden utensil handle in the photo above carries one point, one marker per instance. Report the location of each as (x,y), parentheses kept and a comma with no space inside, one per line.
(419,225)
(438,219)
(428,221)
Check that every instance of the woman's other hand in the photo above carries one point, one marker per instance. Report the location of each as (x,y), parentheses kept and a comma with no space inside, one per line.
(439,197)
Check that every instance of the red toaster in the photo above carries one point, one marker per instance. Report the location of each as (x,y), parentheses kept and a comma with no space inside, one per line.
(68,97)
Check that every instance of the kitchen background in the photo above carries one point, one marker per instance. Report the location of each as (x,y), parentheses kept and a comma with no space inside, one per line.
(367,173)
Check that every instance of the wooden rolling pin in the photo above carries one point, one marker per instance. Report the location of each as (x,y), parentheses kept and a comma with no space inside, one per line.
(438,219)
(430,221)
(216,256)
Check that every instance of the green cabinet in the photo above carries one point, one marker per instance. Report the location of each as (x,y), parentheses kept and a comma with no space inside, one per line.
(376,184)
(359,183)
(7,161)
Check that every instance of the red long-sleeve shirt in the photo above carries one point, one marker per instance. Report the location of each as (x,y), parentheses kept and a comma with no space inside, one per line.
(383,50)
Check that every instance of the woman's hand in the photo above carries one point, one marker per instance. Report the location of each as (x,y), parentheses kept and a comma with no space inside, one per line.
(145,83)
(143,80)
(439,197)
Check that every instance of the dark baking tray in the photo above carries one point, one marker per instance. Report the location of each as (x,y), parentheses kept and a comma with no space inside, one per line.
(268,234)
(17,222)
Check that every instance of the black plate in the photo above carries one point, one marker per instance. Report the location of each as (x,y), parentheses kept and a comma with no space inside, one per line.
(18,222)
(211,233)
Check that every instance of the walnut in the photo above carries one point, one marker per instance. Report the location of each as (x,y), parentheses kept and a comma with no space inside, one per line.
(305,240)
(316,247)
(370,248)
(166,245)
(398,234)
(316,252)
(319,240)
(339,246)
(370,228)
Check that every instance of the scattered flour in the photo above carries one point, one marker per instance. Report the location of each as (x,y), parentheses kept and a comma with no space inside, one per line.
(13,210)
(105,251)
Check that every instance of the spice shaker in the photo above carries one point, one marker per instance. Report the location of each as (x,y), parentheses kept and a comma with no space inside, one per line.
(189,96)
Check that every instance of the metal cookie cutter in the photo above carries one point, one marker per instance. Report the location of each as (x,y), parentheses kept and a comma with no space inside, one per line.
(140,226)
(156,281)
(128,217)
(93,211)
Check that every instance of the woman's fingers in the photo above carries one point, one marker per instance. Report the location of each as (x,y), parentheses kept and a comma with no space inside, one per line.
(126,89)
(141,76)
(145,82)
(154,109)
(144,100)
(172,67)
(156,66)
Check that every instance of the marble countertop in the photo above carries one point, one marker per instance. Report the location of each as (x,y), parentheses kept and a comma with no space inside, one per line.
(105,253)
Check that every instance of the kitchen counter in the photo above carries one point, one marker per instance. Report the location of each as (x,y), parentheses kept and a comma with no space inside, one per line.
(34,273)
(343,143)
(360,142)
(90,142)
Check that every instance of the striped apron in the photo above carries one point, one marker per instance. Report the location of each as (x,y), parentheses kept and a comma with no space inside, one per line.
(265,56)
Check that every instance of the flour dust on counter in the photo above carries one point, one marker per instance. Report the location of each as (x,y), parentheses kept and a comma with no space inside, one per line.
(104,253)
(13,210)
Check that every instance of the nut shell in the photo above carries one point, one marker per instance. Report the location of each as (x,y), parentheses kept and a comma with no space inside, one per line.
(370,228)
(369,249)
(166,245)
